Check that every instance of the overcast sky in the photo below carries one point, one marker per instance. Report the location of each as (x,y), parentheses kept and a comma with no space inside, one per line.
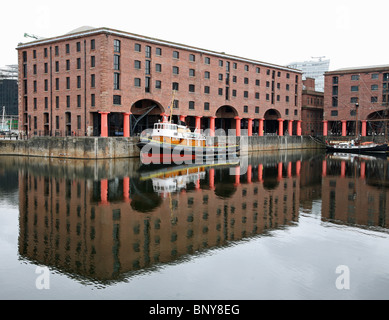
(350,33)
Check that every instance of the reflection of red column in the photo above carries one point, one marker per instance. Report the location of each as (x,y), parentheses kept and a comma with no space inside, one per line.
(197,184)
(260,172)
(325,128)
(299,128)
(363,170)
(212,126)
(324,168)
(237,125)
(182,118)
(126,124)
(343,169)
(198,123)
(290,127)
(212,179)
(364,131)
(298,167)
(289,169)
(250,127)
(260,133)
(104,124)
(279,171)
(104,192)
(344,128)
(249,173)
(126,189)
(281,127)
(237,176)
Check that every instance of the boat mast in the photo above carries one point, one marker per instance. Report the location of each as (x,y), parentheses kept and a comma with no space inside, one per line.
(172,106)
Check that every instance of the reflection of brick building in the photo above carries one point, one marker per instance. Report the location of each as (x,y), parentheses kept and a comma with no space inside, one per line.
(102,229)
(346,199)
(93,81)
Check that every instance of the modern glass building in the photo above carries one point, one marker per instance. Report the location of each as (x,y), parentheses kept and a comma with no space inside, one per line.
(313,69)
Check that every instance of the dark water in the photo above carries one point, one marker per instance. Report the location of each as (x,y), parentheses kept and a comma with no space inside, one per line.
(293,226)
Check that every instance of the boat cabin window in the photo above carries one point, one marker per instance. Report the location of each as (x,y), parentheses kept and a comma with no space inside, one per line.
(165,126)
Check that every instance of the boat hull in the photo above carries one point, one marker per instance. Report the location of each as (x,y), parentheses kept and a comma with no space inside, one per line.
(382,148)
(155,152)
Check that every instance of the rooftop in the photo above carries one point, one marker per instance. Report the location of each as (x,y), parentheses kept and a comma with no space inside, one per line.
(89,31)
(384,67)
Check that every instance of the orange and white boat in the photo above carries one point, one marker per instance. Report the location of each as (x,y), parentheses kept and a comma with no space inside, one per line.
(169,141)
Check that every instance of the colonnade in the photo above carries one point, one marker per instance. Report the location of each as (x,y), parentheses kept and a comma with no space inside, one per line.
(126,124)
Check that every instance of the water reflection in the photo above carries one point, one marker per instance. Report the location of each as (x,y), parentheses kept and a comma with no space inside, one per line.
(355,190)
(105,221)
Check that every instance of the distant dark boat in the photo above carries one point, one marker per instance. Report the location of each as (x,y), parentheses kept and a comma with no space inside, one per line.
(356,147)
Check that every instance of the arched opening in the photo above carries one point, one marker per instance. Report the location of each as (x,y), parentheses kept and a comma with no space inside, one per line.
(271,121)
(225,118)
(144,114)
(377,123)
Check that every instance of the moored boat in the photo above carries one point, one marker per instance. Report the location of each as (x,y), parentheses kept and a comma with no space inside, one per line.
(176,142)
(356,147)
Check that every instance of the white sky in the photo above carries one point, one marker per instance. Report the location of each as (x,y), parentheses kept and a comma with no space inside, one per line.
(351,33)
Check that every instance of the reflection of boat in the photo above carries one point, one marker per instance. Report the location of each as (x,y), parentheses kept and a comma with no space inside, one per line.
(172,179)
(348,156)
(356,147)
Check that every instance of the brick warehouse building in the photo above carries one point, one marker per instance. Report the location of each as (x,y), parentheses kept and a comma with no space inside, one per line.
(104,82)
(356,95)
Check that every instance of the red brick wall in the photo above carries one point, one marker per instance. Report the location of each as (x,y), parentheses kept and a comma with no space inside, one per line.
(104,78)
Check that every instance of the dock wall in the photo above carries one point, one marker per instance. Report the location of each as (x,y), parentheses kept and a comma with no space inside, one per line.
(116,148)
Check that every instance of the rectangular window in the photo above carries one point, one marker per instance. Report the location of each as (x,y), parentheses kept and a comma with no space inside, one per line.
(147,66)
(78,101)
(334,113)
(191,105)
(148,52)
(191,88)
(78,63)
(79,82)
(207,75)
(147,84)
(57,122)
(176,55)
(207,60)
(93,44)
(116,81)
(117,100)
(92,61)
(335,80)
(176,70)
(116,62)
(116,46)
(67,101)
(78,122)
(92,80)
(93,100)
(354,88)
(374,87)
(137,64)
(67,48)
(256,109)
(192,57)
(206,89)
(137,82)
(175,86)
(191,73)
(355,77)
(78,46)
(245,109)
(158,67)
(56,83)
(206,106)
(67,65)
(68,83)
(57,102)
(158,84)
(158,51)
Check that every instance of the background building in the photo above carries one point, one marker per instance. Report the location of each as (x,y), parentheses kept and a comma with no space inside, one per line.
(104,82)
(312,109)
(9,98)
(313,69)
(356,95)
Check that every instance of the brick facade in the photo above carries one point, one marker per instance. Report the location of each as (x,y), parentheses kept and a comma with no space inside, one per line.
(312,109)
(67,81)
(358,93)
